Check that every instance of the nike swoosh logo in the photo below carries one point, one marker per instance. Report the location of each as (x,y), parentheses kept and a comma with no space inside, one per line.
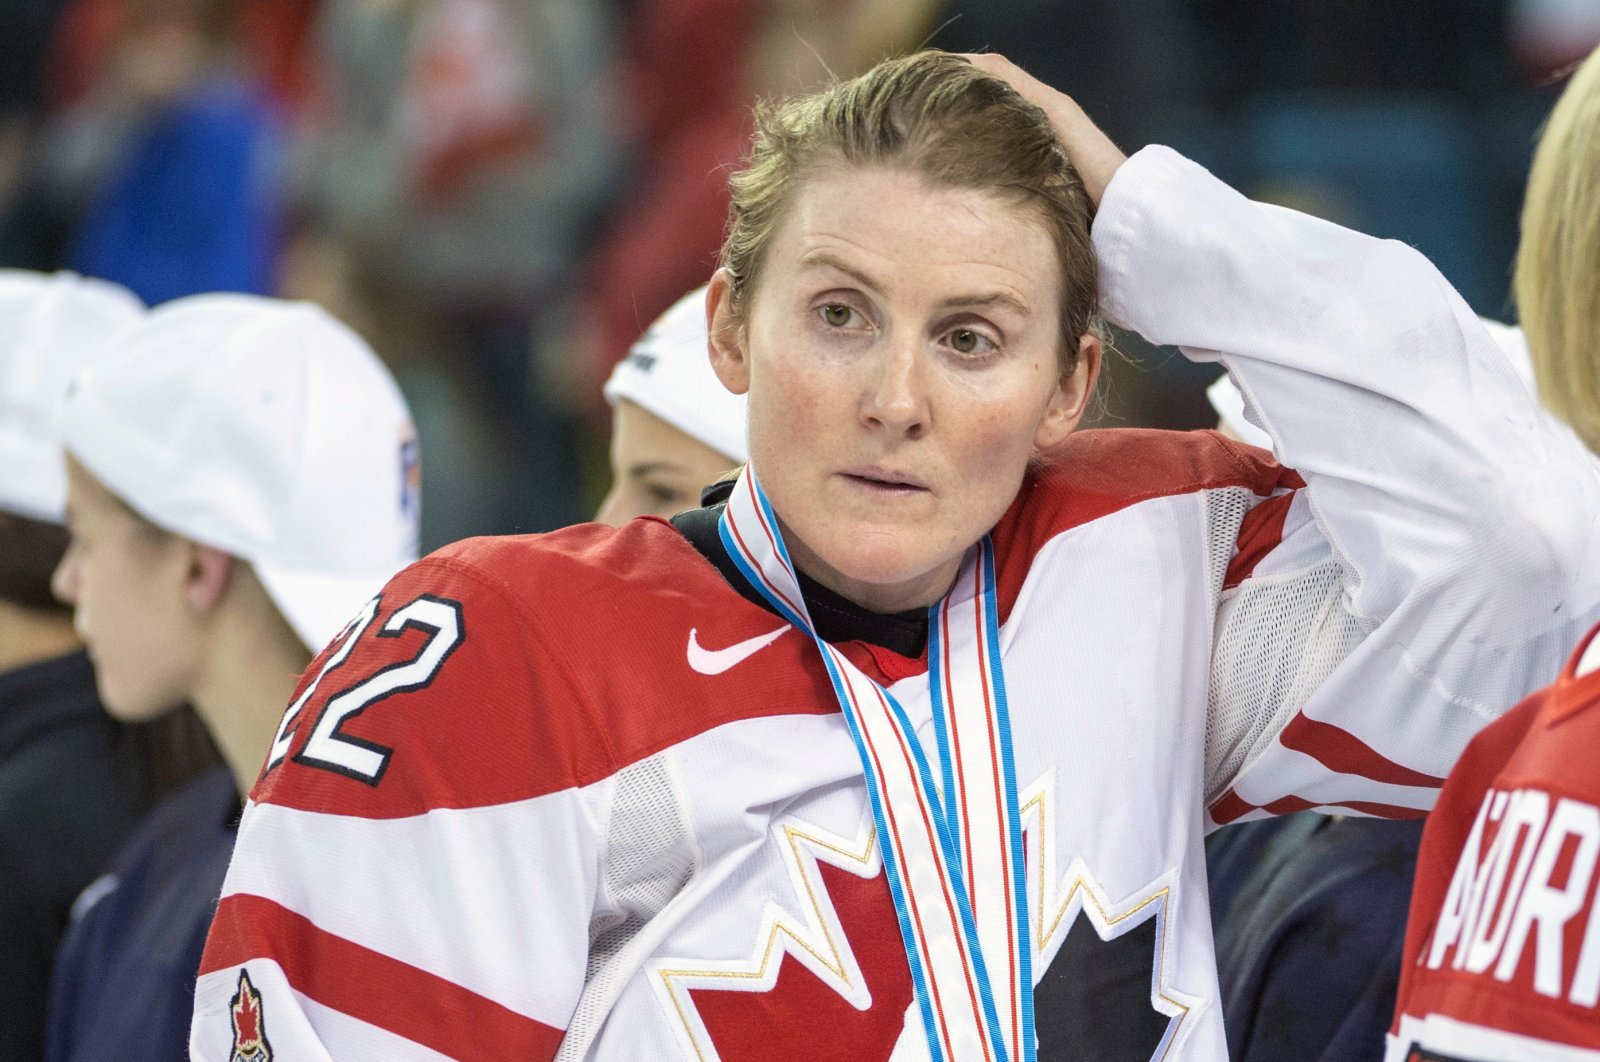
(716,661)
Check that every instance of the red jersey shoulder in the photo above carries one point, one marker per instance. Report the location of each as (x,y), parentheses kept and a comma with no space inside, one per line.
(1097,473)
(501,669)
(1518,951)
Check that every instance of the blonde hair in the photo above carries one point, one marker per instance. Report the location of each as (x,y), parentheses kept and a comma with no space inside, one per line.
(1558,260)
(935,115)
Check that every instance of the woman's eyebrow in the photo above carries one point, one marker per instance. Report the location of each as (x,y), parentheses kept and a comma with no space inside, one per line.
(645,468)
(832,261)
(997,297)
(989,298)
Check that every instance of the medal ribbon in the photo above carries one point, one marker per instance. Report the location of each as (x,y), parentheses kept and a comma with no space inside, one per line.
(951,840)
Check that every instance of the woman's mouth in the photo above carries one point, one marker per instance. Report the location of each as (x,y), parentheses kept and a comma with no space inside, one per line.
(884,481)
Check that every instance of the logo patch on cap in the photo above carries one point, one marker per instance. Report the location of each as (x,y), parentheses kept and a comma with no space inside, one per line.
(410,483)
(249,1027)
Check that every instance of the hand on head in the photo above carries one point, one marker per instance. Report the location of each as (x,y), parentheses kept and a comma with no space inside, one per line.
(1091,151)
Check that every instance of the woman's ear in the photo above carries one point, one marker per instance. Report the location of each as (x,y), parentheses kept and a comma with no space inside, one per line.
(729,357)
(206,582)
(1071,397)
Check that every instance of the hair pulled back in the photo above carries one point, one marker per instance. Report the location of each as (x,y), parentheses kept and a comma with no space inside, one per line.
(1558,258)
(937,116)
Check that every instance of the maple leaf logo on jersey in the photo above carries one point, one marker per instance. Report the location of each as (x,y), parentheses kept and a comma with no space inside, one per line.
(1105,992)
(249,1033)
(826,975)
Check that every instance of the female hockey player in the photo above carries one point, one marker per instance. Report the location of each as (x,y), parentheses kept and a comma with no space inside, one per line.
(906,748)
(1502,950)
(673,427)
(241,479)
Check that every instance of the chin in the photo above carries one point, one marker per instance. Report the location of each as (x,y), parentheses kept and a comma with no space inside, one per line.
(132,705)
(876,558)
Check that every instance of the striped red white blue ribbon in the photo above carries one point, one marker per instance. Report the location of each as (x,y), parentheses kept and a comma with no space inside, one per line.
(951,838)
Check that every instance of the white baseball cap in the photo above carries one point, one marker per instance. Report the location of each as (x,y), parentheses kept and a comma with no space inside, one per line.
(668,372)
(50,326)
(1228,402)
(265,429)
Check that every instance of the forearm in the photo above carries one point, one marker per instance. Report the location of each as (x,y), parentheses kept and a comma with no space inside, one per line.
(1375,379)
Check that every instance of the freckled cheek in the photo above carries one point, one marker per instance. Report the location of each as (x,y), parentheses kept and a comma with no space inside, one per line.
(991,446)
(792,406)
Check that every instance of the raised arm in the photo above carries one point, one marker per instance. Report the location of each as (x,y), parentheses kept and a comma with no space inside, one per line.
(1437,565)
(417,867)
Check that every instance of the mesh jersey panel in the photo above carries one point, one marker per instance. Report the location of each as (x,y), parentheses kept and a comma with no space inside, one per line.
(1278,638)
(650,856)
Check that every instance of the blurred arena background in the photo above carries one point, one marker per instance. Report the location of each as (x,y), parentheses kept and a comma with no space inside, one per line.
(500,194)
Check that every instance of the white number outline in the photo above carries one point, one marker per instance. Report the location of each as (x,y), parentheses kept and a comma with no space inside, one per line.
(329,747)
(351,634)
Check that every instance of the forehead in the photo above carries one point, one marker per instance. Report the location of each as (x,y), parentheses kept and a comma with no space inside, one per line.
(897,226)
(87,497)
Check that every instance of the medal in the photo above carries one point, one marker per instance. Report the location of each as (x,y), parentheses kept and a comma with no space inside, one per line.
(950,832)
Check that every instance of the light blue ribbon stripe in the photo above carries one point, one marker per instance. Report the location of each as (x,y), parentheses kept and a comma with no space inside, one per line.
(1029,1048)
(943,807)
(885,848)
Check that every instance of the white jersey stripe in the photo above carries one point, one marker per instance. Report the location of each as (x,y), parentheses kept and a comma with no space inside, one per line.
(346,886)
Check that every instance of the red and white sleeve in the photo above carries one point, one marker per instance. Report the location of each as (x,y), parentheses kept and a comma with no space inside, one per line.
(1436,565)
(417,865)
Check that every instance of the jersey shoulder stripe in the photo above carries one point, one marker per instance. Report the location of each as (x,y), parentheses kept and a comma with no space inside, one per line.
(370,986)
(1096,474)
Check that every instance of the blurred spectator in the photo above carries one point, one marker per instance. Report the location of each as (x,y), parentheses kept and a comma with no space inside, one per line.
(470,139)
(1552,35)
(447,178)
(165,169)
(273,38)
(26,28)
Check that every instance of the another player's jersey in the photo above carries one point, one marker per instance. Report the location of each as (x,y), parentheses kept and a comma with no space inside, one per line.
(1503,946)
(574,796)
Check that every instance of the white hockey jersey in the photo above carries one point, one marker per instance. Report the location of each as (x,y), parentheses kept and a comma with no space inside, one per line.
(572,796)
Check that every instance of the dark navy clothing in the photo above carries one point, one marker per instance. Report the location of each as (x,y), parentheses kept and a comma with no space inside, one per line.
(68,798)
(124,981)
(1309,914)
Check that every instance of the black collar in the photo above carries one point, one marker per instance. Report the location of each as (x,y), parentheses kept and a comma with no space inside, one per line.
(838,619)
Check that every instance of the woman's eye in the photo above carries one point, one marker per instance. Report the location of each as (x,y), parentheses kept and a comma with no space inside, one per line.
(837,314)
(969,341)
(660,495)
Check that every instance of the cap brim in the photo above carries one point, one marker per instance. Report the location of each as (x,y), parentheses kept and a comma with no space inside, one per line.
(318,605)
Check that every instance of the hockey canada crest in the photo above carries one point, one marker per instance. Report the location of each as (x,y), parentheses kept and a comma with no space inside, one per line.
(249,1029)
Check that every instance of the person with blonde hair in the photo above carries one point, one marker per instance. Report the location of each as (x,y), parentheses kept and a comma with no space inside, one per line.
(1502,949)
(907,749)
